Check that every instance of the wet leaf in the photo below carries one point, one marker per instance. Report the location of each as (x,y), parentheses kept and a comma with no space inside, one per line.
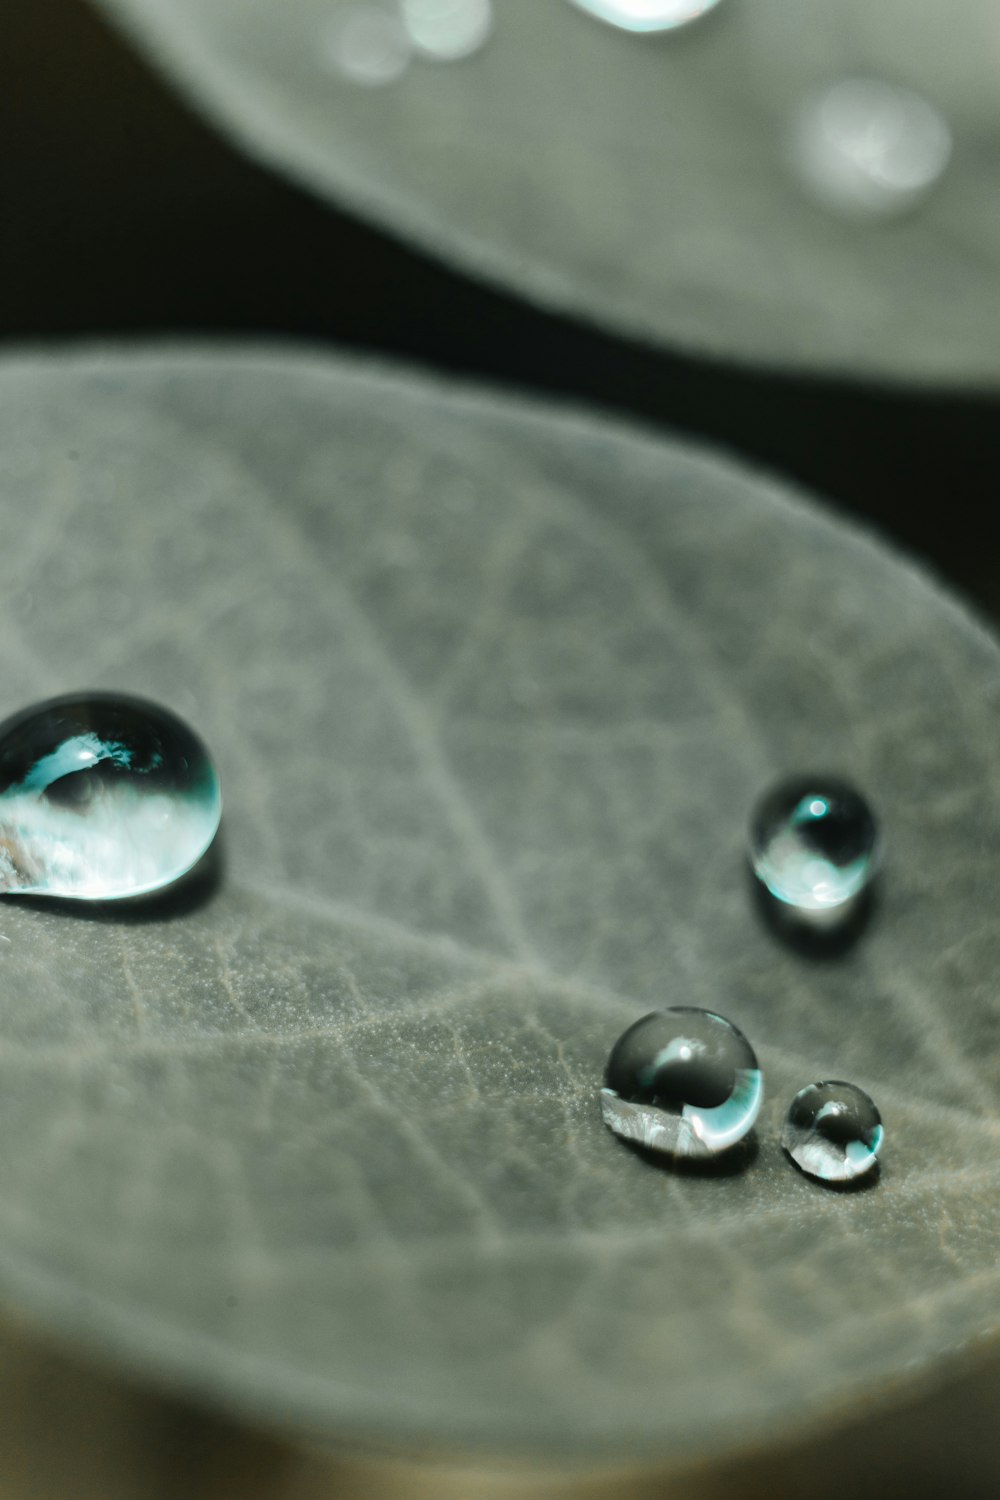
(491,690)
(639,181)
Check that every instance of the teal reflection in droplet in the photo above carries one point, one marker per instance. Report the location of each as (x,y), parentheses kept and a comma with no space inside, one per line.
(682,1081)
(833,1131)
(814,845)
(102,796)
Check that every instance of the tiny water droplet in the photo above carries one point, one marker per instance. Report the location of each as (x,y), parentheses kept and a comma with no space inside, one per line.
(448,30)
(814,848)
(646,15)
(868,149)
(102,796)
(682,1081)
(367,45)
(833,1131)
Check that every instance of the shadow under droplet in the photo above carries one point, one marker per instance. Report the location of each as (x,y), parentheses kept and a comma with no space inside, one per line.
(731,1163)
(195,890)
(819,944)
(863,1184)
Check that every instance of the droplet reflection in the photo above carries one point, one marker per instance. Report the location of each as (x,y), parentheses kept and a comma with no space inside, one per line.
(869,149)
(646,15)
(814,848)
(833,1132)
(682,1081)
(102,796)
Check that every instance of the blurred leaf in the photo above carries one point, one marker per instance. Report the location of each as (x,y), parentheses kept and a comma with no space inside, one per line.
(71,1430)
(491,690)
(639,181)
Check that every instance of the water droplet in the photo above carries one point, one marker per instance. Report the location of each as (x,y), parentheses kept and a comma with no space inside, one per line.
(102,796)
(814,847)
(682,1081)
(646,15)
(833,1131)
(447,30)
(869,149)
(367,45)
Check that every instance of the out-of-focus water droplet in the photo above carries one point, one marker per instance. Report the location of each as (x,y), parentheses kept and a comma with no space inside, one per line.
(833,1131)
(814,847)
(367,45)
(682,1081)
(869,149)
(448,30)
(646,15)
(102,796)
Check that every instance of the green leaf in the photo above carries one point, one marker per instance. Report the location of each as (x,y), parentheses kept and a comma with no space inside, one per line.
(639,182)
(491,690)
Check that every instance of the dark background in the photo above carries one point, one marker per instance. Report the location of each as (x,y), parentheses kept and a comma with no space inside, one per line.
(124,215)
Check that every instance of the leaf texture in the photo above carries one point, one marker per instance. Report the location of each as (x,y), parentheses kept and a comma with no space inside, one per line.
(491,690)
(640,182)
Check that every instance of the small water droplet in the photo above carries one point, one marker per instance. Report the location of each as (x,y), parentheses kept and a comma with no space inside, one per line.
(102,796)
(646,15)
(869,149)
(448,30)
(833,1131)
(814,848)
(682,1081)
(367,45)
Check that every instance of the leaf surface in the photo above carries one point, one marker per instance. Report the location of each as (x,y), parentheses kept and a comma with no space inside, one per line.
(641,182)
(491,691)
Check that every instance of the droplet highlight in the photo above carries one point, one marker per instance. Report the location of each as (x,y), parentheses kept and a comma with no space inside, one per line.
(814,847)
(367,45)
(868,149)
(448,30)
(833,1132)
(646,15)
(102,796)
(683,1081)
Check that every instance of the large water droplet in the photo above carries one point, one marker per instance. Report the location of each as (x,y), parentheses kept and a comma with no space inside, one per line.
(814,848)
(682,1081)
(447,30)
(833,1131)
(102,796)
(646,15)
(869,149)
